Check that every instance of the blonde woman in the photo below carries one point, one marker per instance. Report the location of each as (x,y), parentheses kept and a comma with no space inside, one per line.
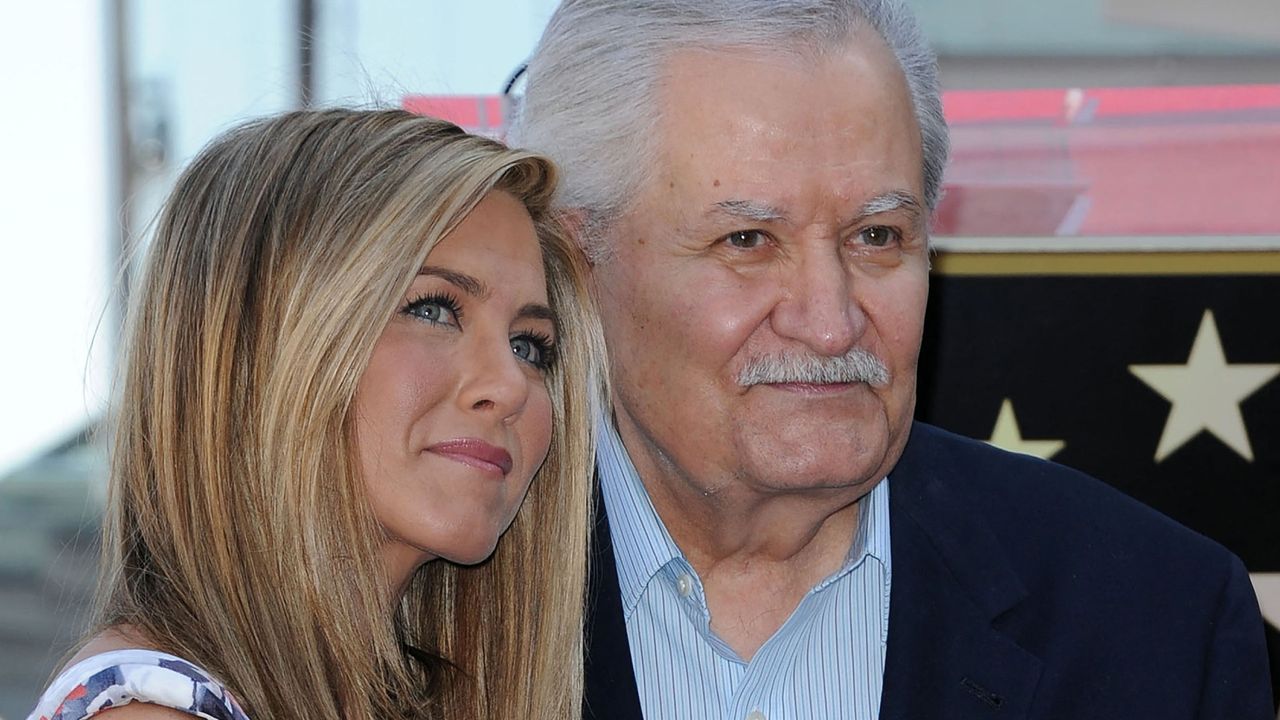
(360,338)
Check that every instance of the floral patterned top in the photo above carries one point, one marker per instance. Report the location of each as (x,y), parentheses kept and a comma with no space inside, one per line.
(112,679)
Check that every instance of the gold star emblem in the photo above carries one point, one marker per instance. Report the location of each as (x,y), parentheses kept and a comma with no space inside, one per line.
(1206,393)
(1007,436)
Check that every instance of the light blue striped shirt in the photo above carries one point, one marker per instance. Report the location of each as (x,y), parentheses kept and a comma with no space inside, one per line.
(826,661)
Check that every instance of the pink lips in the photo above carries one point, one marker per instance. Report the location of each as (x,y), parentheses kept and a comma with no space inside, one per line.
(476,453)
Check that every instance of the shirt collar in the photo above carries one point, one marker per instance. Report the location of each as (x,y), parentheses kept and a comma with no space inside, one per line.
(642,547)
(871,539)
(641,544)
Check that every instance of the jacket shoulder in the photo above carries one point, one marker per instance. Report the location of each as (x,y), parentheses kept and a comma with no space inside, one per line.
(1041,510)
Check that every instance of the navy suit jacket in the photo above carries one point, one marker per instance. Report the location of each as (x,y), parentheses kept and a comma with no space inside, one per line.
(1023,589)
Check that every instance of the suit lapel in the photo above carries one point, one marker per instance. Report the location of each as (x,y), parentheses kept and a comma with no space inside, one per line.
(610,681)
(952,586)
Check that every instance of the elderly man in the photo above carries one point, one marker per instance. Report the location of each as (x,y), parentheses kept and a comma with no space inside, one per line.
(752,181)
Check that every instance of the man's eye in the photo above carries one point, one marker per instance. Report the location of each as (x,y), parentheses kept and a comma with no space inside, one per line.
(434,309)
(878,235)
(536,350)
(746,239)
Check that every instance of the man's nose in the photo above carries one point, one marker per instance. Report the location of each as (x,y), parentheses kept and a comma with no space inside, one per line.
(818,307)
(494,382)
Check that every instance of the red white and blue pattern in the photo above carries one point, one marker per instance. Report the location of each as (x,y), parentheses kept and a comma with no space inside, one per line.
(112,679)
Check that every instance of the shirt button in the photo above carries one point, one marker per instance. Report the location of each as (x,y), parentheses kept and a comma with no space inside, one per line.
(684,586)
(756,715)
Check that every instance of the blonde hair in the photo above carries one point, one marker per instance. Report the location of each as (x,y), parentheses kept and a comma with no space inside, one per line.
(238,531)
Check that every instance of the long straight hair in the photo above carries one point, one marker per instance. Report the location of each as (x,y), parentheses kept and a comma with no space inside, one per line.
(239,534)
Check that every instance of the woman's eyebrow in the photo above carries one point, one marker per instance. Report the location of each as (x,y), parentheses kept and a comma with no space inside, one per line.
(464,282)
(538,311)
(475,287)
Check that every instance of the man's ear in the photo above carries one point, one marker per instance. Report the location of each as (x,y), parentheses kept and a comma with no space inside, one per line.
(574,221)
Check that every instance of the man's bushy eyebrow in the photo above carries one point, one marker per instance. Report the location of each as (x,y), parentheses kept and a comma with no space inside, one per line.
(752,210)
(894,200)
(891,201)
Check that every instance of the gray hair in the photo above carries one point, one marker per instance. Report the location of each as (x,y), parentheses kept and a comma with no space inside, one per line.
(855,366)
(590,99)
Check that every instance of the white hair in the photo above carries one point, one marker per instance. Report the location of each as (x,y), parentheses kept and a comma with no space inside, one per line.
(591,95)
(855,366)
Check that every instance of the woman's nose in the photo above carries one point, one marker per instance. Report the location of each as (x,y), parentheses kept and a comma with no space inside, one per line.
(495,381)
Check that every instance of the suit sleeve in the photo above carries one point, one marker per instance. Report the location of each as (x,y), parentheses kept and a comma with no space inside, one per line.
(1237,678)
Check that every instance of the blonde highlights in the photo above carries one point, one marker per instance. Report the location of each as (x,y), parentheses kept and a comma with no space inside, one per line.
(239,534)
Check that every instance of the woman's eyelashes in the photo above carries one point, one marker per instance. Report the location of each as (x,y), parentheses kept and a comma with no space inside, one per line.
(535,348)
(436,309)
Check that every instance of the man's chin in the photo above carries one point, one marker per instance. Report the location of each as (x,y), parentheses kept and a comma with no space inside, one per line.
(850,481)
(822,460)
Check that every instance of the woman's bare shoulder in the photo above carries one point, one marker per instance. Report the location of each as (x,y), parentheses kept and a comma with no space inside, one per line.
(117,637)
(143,711)
(124,637)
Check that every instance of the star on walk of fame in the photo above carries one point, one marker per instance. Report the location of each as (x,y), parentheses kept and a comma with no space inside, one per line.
(1008,436)
(1206,393)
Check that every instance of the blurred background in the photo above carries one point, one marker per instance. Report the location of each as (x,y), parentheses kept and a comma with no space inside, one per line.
(1115,183)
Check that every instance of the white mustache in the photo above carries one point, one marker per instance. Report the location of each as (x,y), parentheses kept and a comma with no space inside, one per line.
(855,366)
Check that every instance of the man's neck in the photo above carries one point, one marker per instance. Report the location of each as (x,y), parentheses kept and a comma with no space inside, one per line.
(756,554)
(754,583)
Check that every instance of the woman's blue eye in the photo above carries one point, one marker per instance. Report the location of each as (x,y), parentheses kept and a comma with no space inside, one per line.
(746,239)
(536,350)
(435,309)
(878,235)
